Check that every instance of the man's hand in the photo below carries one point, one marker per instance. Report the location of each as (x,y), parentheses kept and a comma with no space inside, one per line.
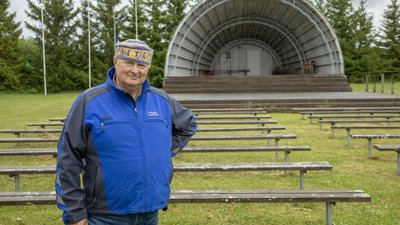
(82,222)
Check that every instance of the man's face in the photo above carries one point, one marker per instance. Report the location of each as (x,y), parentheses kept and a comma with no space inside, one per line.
(130,74)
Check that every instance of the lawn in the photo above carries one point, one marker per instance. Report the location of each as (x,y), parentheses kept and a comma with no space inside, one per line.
(352,170)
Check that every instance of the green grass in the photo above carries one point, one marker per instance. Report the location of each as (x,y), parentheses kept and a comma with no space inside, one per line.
(352,170)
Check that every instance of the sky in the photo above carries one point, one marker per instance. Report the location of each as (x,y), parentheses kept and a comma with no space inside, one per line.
(376,7)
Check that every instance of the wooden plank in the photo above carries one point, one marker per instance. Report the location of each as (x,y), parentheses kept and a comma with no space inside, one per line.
(24,140)
(20,131)
(230,129)
(245,149)
(205,138)
(381,147)
(232,117)
(191,167)
(198,149)
(21,152)
(243,137)
(365,127)
(215,196)
(344,108)
(220,167)
(354,117)
(375,136)
(236,122)
(359,121)
(351,112)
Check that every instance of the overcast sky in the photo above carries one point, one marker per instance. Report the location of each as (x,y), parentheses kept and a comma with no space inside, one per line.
(374,6)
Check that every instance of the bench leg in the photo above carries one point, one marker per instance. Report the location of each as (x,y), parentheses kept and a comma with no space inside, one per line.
(329,213)
(287,156)
(16,178)
(276,152)
(333,133)
(369,148)
(348,138)
(320,126)
(302,179)
(398,163)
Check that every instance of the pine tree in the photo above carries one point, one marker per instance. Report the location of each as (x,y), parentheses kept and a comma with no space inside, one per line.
(81,46)
(365,58)
(390,39)
(339,14)
(10,63)
(105,18)
(129,18)
(155,38)
(60,27)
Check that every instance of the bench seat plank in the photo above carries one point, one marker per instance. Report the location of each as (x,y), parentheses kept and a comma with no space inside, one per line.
(214,196)
(394,148)
(190,167)
(330,197)
(369,138)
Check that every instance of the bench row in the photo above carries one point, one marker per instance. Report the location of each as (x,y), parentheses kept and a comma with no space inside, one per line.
(303,167)
(330,197)
(18,132)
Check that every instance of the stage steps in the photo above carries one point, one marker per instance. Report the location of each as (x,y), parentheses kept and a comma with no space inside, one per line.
(257,84)
(286,105)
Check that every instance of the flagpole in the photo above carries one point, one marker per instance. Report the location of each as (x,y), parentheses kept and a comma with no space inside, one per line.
(89,49)
(136,21)
(43,49)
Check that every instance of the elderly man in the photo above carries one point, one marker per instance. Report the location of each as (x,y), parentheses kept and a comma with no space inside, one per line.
(120,136)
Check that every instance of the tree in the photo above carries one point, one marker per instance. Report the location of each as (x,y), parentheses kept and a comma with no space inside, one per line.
(129,18)
(10,63)
(155,38)
(60,27)
(105,18)
(390,38)
(339,14)
(364,57)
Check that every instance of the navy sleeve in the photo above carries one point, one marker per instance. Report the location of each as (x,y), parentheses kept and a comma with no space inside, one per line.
(70,162)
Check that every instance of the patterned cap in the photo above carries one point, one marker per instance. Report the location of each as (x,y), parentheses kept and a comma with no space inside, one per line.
(136,50)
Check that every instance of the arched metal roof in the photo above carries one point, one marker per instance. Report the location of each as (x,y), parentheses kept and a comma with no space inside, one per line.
(292,32)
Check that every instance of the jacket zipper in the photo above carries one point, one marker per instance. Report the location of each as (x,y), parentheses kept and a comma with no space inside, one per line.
(146,172)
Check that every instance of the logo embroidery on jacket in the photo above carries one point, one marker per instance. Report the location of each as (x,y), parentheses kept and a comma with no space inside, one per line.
(152,113)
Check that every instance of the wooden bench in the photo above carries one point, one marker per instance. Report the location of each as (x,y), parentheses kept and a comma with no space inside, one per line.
(366,127)
(370,112)
(394,148)
(44,125)
(275,137)
(303,167)
(201,118)
(197,149)
(232,117)
(257,122)
(18,132)
(369,137)
(216,111)
(44,131)
(334,122)
(329,197)
(330,117)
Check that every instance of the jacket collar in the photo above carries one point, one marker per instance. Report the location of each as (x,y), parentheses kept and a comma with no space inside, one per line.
(110,81)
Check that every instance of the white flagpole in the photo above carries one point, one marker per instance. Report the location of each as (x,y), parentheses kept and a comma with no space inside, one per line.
(43,49)
(89,50)
(136,21)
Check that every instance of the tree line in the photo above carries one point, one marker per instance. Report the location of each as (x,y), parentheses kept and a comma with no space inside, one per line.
(365,47)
